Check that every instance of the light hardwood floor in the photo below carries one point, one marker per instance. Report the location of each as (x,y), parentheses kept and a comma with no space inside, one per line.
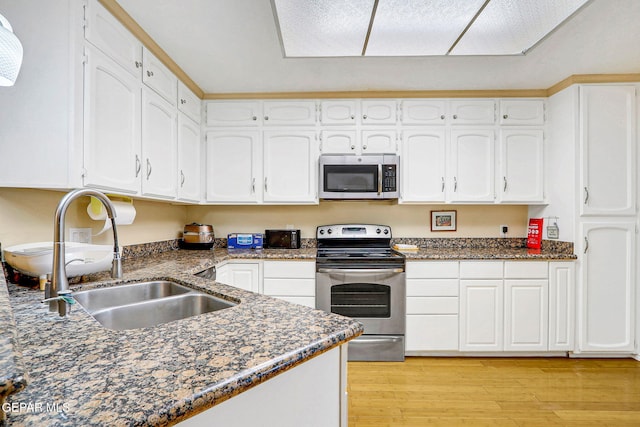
(494,392)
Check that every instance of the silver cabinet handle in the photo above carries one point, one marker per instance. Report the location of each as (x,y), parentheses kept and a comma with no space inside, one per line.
(353,117)
(442,185)
(455,116)
(505,184)
(586,195)
(506,116)
(455,184)
(353,147)
(265,184)
(364,147)
(138,64)
(364,117)
(254,118)
(253,186)
(266,117)
(586,244)
(183,101)
(442,117)
(359,270)
(181,178)
(149,73)
(138,166)
(149,169)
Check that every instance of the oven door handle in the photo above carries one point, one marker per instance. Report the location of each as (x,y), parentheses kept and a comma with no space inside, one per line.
(360,270)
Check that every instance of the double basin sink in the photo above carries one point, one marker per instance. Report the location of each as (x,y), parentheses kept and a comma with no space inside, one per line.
(145,304)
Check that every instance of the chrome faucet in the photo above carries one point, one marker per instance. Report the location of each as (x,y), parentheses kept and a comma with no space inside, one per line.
(59,286)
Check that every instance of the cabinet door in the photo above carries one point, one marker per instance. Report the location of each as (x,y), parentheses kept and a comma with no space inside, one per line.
(300,113)
(521,178)
(379,142)
(423,158)
(338,142)
(481,315)
(379,112)
(159,146)
(521,112)
(561,306)
(423,112)
(526,315)
(607,287)
(472,166)
(159,78)
(290,167)
(188,102)
(607,150)
(106,33)
(189,159)
(244,276)
(233,113)
(338,112)
(233,167)
(431,332)
(472,112)
(112,125)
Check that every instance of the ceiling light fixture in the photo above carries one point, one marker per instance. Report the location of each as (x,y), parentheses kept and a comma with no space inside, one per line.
(10,54)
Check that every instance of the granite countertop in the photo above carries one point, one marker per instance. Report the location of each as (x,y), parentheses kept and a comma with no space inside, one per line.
(91,375)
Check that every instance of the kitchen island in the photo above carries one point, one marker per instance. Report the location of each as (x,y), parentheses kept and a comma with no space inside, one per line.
(80,373)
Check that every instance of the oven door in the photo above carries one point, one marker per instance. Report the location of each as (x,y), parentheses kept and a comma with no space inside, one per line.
(375,297)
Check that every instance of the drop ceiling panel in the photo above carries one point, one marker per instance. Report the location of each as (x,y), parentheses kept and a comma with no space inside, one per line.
(508,27)
(323,28)
(427,27)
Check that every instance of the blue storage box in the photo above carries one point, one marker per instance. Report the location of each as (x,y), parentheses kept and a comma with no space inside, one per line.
(244,241)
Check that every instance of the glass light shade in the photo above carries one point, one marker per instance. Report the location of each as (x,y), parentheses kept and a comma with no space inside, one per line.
(10,54)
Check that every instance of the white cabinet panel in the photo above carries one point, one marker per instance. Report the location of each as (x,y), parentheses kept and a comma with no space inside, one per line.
(159,149)
(338,112)
(522,112)
(481,315)
(112,134)
(432,269)
(244,276)
(158,77)
(339,141)
(423,112)
(608,150)
(431,333)
(290,166)
(292,281)
(432,287)
(432,305)
(289,287)
(526,269)
(233,113)
(290,269)
(299,113)
(472,166)
(472,112)
(234,162)
(423,160)
(526,315)
(561,306)
(607,291)
(189,103)
(481,270)
(189,160)
(379,142)
(521,177)
(379,112)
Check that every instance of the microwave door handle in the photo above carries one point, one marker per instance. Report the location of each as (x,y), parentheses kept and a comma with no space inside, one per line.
(379,179)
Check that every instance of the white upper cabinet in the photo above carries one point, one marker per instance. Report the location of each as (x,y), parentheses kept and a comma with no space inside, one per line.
(342,141)
(338,112)
(423,157)
(298,113)
(232,113)
(290,167)
(379,142)
(608,150)
(472,112)
(424,112)
(189,160)
(112,158)
(521,177)
(106,33)
(159,149)
(379,112)
(471,170)
(521,112)
(233,166)
(189,103)
(158,77)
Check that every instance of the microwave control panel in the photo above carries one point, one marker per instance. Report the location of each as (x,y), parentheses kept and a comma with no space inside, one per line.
(389,178)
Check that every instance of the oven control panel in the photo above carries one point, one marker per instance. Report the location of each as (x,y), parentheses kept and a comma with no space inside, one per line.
(353,231)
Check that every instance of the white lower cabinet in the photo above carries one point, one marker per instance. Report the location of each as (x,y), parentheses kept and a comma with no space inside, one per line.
(293,281)
(481,318)
(562,294)
(526,315)
(241,275)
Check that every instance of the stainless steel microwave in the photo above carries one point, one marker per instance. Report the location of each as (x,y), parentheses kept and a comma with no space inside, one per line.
(359,177)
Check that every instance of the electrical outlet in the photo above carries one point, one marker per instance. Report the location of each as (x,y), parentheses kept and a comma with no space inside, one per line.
(504,229)
(80,235)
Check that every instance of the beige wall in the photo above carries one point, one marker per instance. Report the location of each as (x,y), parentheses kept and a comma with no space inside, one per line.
(26,216)
(405,220)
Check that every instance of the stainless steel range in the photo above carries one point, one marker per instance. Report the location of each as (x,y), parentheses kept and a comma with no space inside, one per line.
(358,275)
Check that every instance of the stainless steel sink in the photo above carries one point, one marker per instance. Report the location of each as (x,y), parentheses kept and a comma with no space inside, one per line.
(140,305)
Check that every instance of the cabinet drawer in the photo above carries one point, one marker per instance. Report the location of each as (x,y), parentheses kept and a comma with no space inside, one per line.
(290,269)
(233,113)
(526,270)
(158,77)
(432,332)
(521,112)
(432,287)
(432,270)
(481,270)
(432,305)
(290,287)
(188,102)
(289,113)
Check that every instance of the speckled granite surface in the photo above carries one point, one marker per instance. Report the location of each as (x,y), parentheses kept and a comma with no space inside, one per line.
(161,375)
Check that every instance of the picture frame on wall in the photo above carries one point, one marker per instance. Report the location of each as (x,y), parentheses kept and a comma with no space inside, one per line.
(444,221)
